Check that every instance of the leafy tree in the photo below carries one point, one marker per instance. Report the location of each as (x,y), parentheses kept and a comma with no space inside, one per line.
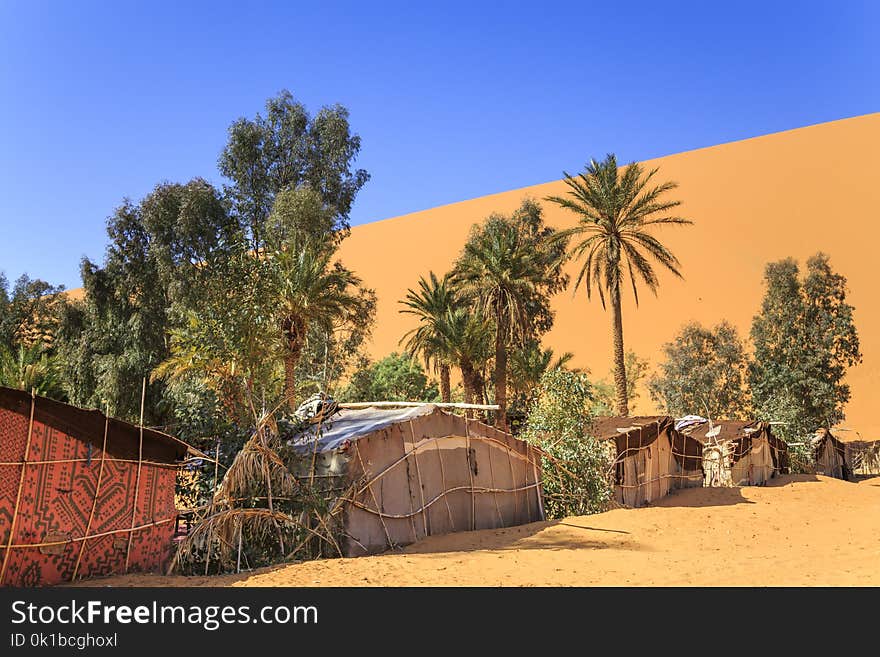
(285,149)
(164,253)
(704,373)
(576,468)
(616,212)
(805,339)
(509,268)
(604,391)
(394,378)
(27,315)
(468,337)
(309,290)
(431,303)
(30,368)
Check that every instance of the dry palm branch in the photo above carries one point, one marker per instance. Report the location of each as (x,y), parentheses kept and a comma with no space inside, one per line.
(261,513)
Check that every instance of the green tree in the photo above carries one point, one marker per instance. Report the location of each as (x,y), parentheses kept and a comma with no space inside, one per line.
(704,373)
(605,393)
(616,212)
(528,363)
(576,468)
(285,149)
(509,268)
(468,336)
(431,303)
(27,312)
(805,339)
(30,368)
(396,377)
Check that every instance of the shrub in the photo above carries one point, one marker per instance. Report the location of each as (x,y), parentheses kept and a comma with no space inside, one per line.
(576,467)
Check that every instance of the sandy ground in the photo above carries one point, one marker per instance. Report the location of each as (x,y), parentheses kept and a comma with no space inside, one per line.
(798,530)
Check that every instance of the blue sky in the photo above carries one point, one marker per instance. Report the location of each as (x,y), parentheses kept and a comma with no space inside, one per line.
(99,102)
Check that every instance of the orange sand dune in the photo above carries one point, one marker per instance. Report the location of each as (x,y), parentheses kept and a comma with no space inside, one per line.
(786,194)
(801,530)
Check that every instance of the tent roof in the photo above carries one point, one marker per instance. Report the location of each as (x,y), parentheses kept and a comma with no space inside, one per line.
(87,424)
(351,424)
(607,428)
(730,430)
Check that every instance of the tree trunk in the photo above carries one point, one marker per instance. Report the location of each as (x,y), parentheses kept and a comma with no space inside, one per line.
(291,360)
(445,392)
(501,377)
(467,381)
(619,363)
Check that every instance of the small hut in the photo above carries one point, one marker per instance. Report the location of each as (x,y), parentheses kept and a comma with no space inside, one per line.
(650,457)
(420,471)
(735,452)
(81,494)
(830,455)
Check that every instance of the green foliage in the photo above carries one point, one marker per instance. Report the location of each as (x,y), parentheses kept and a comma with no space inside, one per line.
(508,270)
(576,467)
(605,393)
(704,373)
(30,368)
(616,214)
(27,315)
(394,378)
(805,338)
(284,150)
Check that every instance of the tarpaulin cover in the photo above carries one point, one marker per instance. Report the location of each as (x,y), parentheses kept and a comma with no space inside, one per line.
(350,424)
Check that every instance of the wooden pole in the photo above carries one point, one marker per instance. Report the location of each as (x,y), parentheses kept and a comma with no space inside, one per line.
(415,456)
(385,404)
(27,451)
(213,493)
(137,481)
(82,546)
(538,492)
(369,487)
(467,433)
(443,483)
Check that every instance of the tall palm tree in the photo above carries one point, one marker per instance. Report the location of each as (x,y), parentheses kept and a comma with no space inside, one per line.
(616,212)
(467,337)
(430,303)
(310,290)
(502,272)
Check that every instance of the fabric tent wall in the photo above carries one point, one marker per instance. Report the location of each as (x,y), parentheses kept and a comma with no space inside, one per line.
(755,467)
(67,488)
(830,456)
(863,457)
(436,474)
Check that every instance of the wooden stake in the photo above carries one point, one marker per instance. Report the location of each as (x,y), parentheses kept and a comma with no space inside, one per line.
(415,456)
(137,481)
(82,546)
(443,483)
(213,493)
(27,451)
(467,433)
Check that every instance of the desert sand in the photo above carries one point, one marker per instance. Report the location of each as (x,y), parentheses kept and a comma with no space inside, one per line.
(786,194)
(799,530)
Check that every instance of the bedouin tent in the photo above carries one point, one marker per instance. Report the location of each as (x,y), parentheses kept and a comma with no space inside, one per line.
(736,452)
(861,455)
(829,454)
(650,457)
(81,494)
(420,471)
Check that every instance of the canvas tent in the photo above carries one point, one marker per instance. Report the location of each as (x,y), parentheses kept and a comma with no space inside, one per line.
(735,452)
(650,457)
(862,457)
(830,455)
(81,494)
(420,471)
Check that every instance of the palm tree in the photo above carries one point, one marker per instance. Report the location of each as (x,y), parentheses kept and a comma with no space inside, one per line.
(616,212)
(529,363)
(502,271)
(430,303)
(30,368)
(310,290)
(467,337)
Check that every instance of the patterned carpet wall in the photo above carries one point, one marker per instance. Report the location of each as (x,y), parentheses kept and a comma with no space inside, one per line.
(57,499)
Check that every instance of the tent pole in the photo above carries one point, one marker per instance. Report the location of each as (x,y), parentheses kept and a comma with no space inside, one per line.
(137,481)
(82,546)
